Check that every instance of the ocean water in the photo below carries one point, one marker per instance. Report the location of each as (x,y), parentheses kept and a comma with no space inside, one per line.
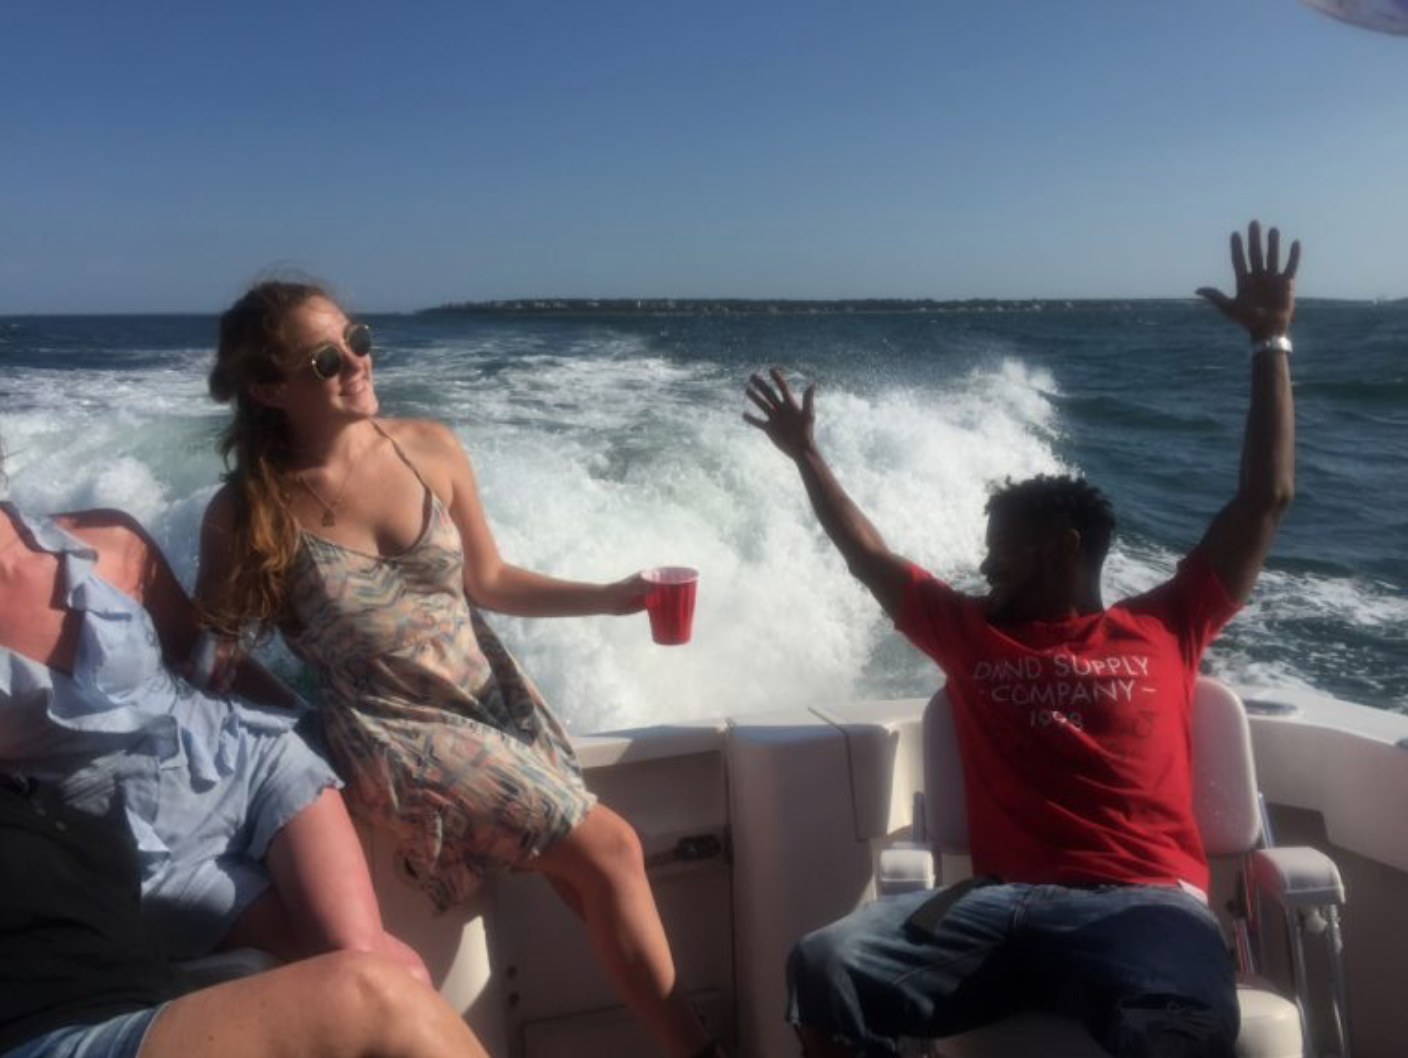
(605,444)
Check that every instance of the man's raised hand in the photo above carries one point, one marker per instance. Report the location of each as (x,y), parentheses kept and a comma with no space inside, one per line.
(1265,298)
(787,423)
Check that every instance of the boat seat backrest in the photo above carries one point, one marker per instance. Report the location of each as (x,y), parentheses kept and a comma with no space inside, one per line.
(1224,775)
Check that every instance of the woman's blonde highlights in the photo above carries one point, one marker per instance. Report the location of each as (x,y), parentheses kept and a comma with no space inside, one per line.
(255,446)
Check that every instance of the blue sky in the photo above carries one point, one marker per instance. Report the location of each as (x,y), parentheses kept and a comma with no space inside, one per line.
(159,155)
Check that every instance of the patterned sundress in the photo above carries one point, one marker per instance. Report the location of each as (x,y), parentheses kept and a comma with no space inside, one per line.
(442,739)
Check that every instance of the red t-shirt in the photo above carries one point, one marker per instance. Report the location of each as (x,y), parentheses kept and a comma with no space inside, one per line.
(1075,734)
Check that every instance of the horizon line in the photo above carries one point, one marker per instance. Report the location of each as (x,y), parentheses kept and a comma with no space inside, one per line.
(544,304)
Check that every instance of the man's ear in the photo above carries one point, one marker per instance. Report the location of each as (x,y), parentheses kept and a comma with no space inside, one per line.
(1068,545)
(269,394)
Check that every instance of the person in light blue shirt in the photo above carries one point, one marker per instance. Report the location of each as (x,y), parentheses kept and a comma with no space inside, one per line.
(240,830)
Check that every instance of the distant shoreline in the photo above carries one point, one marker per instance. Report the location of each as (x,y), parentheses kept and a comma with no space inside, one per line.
(732,307)
(809,306)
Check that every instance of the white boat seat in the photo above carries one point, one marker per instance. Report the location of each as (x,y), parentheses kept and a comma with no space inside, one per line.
(1270,1029)
(1303,882)
(1270,1022)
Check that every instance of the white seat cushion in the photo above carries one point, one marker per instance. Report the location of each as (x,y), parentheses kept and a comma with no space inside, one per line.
(1270,1029)
(1270,1022)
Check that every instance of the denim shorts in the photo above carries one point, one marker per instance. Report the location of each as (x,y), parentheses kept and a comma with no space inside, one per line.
(1129,961)
(119,1037)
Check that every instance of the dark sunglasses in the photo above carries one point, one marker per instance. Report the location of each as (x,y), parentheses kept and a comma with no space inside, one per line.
(326,359)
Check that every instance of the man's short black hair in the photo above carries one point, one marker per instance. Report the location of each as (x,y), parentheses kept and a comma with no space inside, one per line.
(1050,502)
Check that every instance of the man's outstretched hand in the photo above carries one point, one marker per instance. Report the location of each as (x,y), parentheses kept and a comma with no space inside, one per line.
(1265,299)
(787,423)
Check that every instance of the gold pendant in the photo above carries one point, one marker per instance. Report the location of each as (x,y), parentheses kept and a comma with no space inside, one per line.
(329,519)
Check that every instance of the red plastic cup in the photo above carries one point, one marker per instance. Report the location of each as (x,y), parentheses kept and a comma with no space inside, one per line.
(670,603)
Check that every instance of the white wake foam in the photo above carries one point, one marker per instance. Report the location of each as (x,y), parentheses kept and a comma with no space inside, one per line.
(601,458)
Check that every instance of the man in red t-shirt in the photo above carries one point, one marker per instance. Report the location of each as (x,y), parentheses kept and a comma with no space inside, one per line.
(1073,719)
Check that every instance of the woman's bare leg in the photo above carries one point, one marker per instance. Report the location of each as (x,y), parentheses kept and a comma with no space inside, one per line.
(344,1005)
(323,899)
(600,863)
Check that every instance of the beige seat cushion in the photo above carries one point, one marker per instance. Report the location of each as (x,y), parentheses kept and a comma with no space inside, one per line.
(1270,1029)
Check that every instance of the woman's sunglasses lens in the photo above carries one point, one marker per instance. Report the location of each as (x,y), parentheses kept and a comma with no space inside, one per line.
(359,338)
(327,361)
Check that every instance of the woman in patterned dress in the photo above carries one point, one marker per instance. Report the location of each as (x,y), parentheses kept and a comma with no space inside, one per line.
(362,539)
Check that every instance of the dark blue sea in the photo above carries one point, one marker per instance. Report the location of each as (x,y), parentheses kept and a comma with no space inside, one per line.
(607,443)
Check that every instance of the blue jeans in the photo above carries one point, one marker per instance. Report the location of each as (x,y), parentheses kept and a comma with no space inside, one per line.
(118,1037)
(1134,963)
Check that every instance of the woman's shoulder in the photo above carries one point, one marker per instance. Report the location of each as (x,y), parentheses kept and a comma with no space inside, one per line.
(221,510)
(425,441)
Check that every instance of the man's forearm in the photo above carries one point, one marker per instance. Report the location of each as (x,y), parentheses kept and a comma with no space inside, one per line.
(1268,448)
(1240,536)
(788,424)
(849,529)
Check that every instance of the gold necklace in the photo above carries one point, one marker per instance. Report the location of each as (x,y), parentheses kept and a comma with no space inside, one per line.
(329,518)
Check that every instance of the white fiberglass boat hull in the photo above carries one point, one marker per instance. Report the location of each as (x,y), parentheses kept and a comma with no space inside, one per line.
(762,827)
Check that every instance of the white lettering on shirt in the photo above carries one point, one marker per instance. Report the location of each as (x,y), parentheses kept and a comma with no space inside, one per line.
(1058,690)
